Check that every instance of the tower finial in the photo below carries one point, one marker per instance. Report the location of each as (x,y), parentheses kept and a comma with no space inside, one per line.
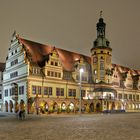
(101,13)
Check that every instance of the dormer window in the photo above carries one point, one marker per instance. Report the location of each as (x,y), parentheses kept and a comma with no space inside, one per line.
(56,63)
(52,63)
(101,57)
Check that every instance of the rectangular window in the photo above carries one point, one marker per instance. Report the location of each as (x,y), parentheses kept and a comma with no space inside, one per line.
(125,96)
(34,90)
(21,90)
(130,96)
(12,91)
(59,75)
(55,74)
(0,96)
(133,97)
(72,92)
(45,90)
(50,90)
(62,92)
(39,89)
(83,93)
(59,91)
(120,96)
(56,63)
(137,97)
(6,92)
(14,74)
(48,73)
(14,62)
(52,73)
(52,63)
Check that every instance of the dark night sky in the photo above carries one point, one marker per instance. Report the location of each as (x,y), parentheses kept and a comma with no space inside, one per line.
(71,25)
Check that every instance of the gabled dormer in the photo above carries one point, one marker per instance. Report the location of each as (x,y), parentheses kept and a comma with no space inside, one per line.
(53,67)
(116,78)
(129,81)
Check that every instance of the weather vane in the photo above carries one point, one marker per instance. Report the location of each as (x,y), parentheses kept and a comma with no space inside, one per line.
(101,13)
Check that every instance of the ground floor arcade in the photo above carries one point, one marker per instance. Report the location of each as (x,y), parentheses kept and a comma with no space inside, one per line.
(60,105)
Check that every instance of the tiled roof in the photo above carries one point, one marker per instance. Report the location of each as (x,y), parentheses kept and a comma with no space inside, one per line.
(2,66)
(39,51)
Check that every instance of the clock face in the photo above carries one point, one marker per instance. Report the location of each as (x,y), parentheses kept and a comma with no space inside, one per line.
(95,59)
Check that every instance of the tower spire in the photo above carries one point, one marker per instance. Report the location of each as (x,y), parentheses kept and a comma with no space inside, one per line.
(101,13)
(101,26)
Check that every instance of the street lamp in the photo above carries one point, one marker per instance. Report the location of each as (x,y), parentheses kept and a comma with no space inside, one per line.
(81,70)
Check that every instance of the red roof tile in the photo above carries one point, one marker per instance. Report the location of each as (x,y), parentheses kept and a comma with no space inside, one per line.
(39,51)
(2,66)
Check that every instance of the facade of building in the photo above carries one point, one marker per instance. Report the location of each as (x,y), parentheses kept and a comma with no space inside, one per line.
(2,65)
(44,78)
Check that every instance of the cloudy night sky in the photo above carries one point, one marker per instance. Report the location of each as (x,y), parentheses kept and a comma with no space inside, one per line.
(71,25)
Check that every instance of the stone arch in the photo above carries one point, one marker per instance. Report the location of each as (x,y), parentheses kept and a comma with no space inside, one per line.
(98,107)
(22,105)
(113,106)
(16,107)
(91,107)
(71,107)
(46,106)
(63,107)
(55,107)
(6,106)
(11,106)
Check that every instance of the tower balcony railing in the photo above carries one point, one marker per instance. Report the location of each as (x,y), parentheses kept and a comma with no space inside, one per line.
(104,98)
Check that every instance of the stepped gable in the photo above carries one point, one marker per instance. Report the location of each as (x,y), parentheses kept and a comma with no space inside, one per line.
(39,52)
(2,66)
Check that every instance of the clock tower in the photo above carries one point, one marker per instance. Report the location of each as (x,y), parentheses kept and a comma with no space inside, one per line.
(101,55)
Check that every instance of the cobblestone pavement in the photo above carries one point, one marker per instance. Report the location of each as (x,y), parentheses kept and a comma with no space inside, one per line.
(124,126)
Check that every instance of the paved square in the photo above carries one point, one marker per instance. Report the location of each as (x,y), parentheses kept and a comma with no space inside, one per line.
(71,127)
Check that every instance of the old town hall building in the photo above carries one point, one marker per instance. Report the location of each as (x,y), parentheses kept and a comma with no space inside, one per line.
(43,78)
